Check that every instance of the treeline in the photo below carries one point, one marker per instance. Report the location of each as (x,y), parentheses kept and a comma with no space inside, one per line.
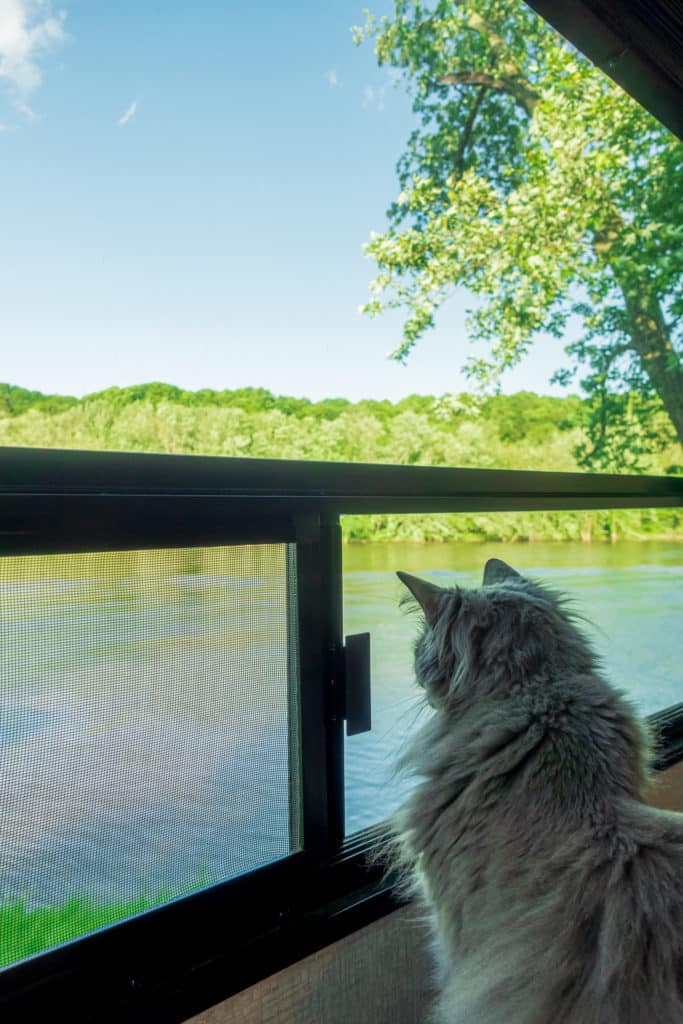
(516,415)
(521,431)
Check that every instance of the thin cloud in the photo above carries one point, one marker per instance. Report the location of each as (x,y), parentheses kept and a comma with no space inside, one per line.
(130,113)
(374,98)
(332,79)
(28,30)
(24,108)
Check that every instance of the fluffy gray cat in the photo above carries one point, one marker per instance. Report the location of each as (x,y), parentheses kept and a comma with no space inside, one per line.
(555,892)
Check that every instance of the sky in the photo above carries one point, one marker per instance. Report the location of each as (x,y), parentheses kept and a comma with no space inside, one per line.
(185,191)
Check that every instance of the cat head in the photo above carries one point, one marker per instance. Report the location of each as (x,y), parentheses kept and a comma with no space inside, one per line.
(478,641)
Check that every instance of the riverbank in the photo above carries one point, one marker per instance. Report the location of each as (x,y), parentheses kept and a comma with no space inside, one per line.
(605,526)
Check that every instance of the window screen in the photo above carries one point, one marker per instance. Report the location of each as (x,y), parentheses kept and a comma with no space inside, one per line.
(148,731)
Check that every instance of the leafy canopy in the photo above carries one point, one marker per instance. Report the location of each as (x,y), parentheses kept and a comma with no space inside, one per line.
(536,183)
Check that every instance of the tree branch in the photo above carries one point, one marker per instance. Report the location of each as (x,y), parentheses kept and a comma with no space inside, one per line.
(498,45)
(522,93)
(477,23)
(467,132)
(506,77)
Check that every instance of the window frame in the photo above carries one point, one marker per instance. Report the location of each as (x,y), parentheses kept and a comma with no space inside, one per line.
(247,927)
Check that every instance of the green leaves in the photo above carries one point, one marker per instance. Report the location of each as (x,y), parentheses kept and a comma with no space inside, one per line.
(536,183)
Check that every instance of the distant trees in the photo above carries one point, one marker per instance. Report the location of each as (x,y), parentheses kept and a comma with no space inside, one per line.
(526,416)
(15,400)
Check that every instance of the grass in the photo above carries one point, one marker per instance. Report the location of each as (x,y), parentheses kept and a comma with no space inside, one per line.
(25,931)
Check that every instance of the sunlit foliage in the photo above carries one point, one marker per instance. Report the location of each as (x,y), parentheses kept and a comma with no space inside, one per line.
(536,183)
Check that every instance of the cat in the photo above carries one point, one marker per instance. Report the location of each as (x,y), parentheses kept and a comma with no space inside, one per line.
(554,892)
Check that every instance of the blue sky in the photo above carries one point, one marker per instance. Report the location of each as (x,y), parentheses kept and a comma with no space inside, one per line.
(186,190)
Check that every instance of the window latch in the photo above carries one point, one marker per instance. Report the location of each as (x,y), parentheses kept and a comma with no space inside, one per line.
(357,683)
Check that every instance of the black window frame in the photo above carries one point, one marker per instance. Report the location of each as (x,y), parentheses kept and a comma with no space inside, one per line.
(172,962)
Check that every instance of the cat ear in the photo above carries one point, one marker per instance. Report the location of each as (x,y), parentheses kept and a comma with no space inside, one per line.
(496,570)
(427,595)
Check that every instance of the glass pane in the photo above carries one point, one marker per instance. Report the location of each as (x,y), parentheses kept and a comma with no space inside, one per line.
(630,591)
(149,711)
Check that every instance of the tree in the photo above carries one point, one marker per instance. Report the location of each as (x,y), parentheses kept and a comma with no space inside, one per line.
(540,186)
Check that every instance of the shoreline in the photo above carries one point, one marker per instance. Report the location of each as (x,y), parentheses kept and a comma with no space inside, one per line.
(669,538)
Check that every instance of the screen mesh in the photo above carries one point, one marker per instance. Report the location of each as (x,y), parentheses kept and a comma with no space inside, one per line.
(148,731)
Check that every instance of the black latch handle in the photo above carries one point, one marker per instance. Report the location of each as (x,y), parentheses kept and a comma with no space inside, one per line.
(357,672)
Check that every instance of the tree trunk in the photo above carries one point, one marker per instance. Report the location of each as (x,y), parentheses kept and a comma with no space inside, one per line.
(646,327)
(651,341)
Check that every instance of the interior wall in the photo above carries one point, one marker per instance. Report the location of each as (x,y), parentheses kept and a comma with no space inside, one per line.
(666,791)
(379,974)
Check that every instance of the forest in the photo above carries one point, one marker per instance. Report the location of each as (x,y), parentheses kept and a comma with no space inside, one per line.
(519,431)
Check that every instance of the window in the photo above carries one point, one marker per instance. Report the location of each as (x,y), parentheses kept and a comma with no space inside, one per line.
(629,594)
(149,731)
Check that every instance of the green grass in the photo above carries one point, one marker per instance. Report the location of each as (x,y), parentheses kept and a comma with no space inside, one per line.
(25,931)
